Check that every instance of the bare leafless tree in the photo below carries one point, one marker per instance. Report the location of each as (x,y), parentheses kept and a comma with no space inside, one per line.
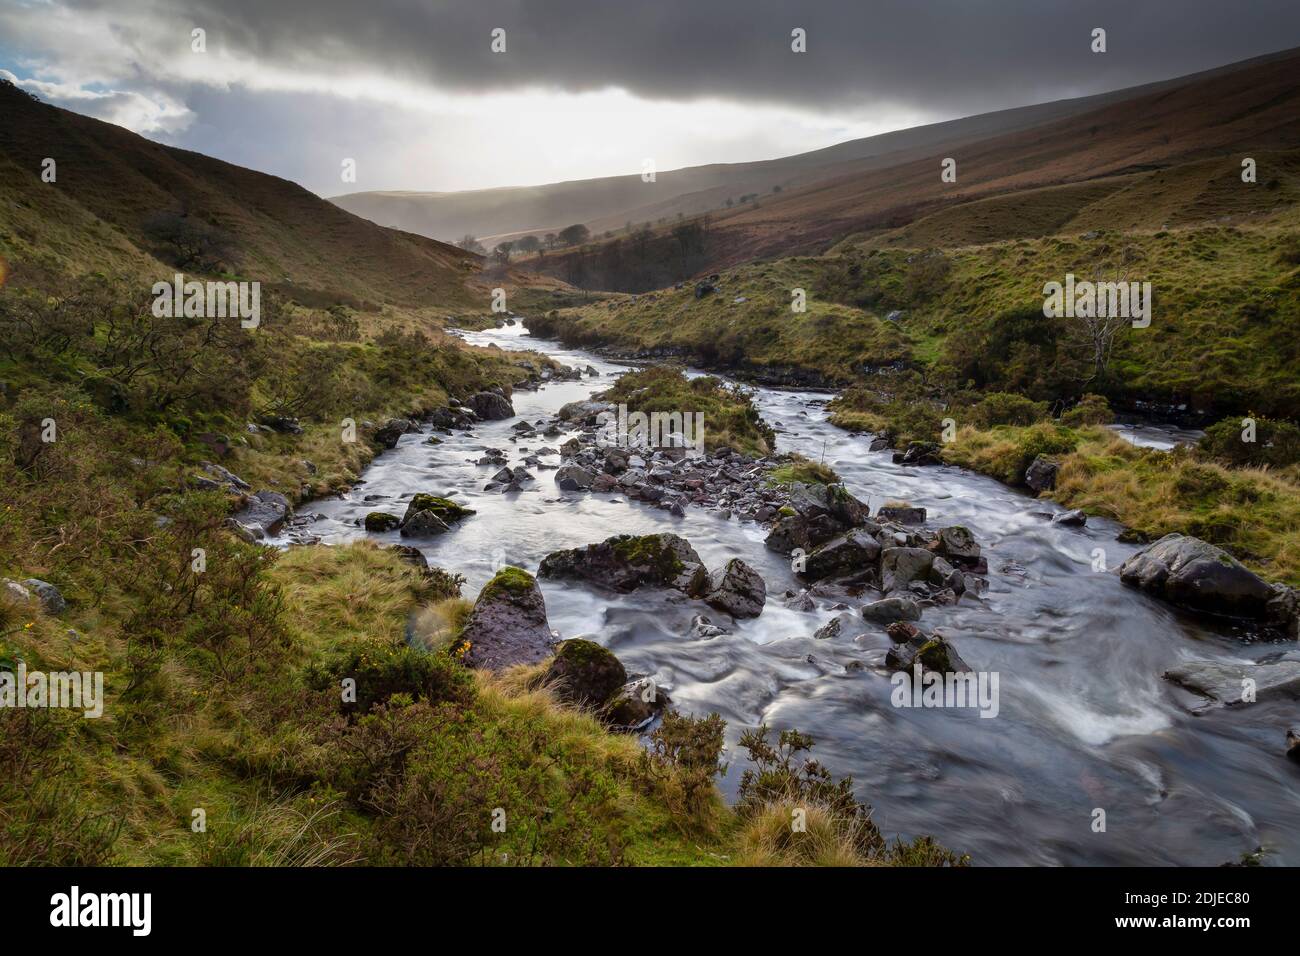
(1094,335)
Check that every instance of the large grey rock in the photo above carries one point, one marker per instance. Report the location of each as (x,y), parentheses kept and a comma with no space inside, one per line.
(627,562)
(574,478)
(812,501)
(957,542)
(423,524)
(902,514)
(262,517)
(899,567)
(1041,474)
(912,646)
(508,624)
(1225,683)
(428,515)
(891,609)
(51,599)
(635,705)
(1071,519)
(851,552)
(1200,576)
(737,589)
(585,413)
(389,433)
(491,406)
(584,673)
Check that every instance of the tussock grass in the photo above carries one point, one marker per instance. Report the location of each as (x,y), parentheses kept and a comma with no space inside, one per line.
(767,838)
(730,418)
(1253,513)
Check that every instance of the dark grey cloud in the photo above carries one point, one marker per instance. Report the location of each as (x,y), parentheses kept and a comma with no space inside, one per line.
(946,55)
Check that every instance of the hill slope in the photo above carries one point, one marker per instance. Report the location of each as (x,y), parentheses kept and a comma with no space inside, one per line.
(1211,120)
(111,184)
(609,203)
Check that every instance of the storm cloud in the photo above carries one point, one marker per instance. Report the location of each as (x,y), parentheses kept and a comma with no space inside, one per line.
(869,64)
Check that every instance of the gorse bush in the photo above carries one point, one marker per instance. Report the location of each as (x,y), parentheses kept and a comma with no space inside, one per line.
(682,759)
(1006,408)
(222,612)
(1092,409)
(1276,443)
(380,672)
(794,812)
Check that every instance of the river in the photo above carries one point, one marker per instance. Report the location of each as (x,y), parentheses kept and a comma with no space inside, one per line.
(1085,721)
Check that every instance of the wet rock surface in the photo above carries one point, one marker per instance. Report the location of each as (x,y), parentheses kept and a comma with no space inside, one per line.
(1199,576)
(508,624)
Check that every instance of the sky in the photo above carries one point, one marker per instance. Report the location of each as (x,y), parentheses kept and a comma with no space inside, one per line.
(416,95)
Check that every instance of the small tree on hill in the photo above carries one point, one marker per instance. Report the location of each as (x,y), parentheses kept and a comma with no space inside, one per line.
(575,235)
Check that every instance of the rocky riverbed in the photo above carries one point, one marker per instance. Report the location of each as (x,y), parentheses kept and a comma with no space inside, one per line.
(1111,697)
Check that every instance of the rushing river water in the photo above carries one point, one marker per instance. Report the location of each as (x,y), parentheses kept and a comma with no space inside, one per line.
(1085,721)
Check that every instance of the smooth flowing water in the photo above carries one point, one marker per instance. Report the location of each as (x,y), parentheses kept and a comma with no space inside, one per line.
(1085,722)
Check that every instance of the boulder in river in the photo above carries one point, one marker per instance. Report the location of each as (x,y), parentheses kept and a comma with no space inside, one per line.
(635,704)
(508,624)
(1231,683)
(423,524)
(1293,744)
(428,515)
(899,567)
(957,543)
(1203,577)
(737,589)
(584,673)
(573,477)
(891,609)
(262,516)
(1071,519)
(626,562)
(388,434)
(380,521)
(585,412)
(491,405)
(919,453)
(1041,474)
(913,646)
(854,551)
(902,514)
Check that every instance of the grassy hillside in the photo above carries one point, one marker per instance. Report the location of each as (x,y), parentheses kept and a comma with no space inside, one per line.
(819,187)
(1250,109)
(114,191)
(1225,306)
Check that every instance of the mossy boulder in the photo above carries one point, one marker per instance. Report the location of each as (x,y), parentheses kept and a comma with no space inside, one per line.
(429,515)
(584,673)
(737,589)
(627,562)
(446,509)
(850,553)
(508,624)
(635,704)
(380,521)
(913,646)
(1202,577)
